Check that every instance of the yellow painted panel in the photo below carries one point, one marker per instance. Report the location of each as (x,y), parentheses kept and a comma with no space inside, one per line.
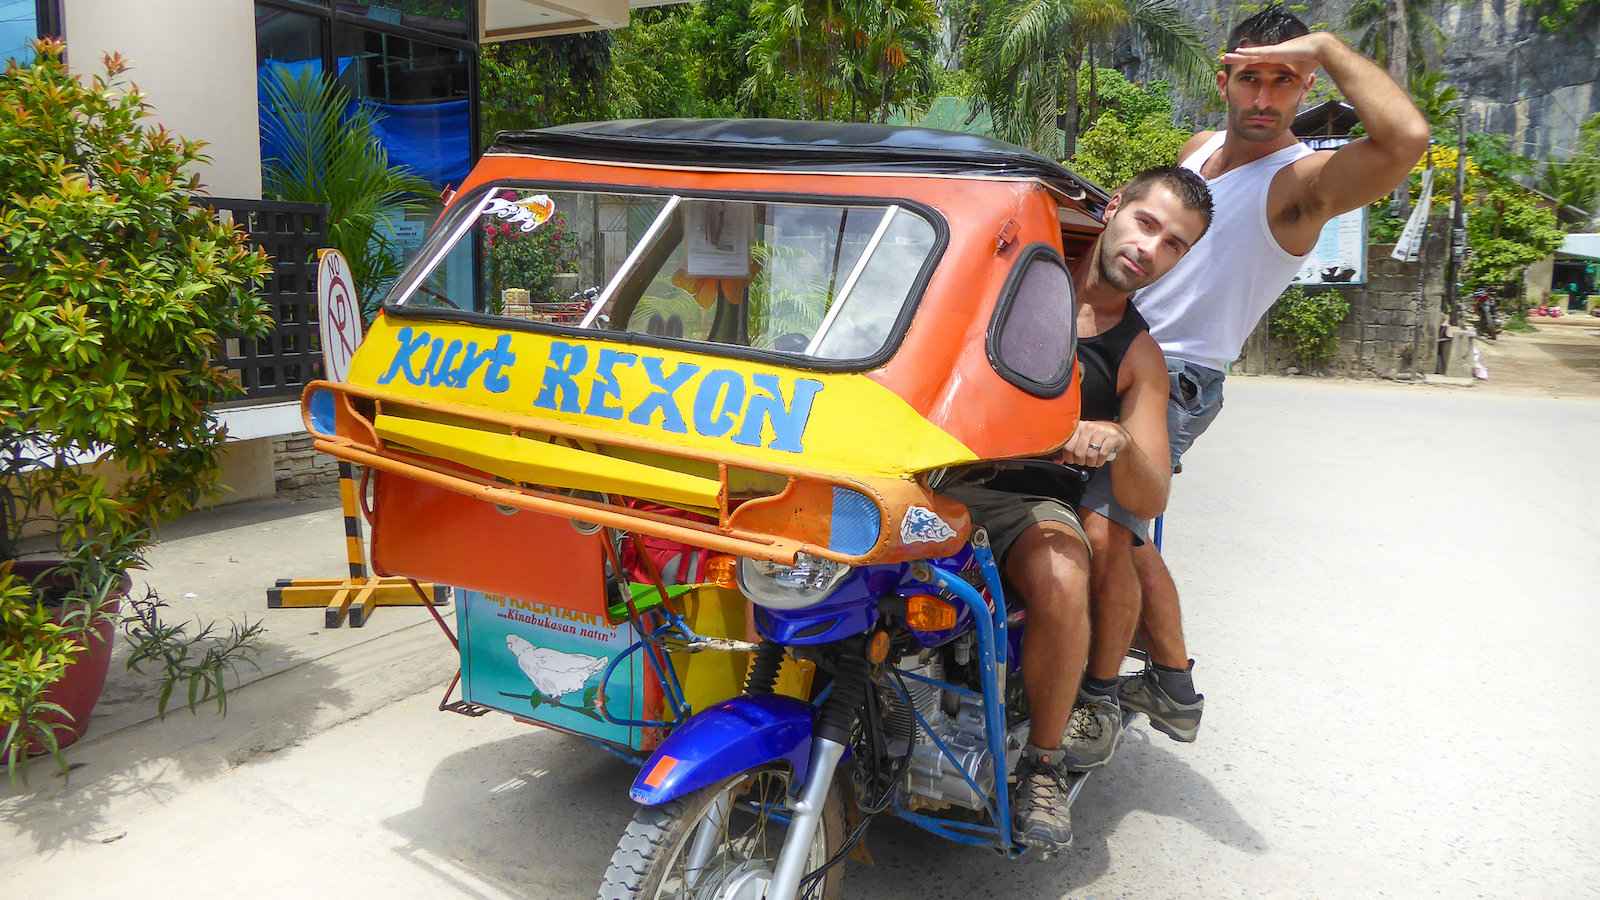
(732,409)
(540,462)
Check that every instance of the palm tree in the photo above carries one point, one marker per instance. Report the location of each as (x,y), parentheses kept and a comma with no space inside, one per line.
(1029,54)
(847,59)
(1411,22)
(325,149)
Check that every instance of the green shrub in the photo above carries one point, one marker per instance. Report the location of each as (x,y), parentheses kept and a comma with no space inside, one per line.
(529,259)
(1311,323)
(116,292)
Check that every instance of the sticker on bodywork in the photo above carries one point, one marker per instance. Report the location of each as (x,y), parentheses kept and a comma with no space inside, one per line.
(923,526)
(528,213)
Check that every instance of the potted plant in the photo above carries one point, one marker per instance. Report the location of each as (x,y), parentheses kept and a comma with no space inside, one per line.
(115,293)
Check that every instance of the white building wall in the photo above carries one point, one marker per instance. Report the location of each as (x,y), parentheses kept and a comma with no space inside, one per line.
(195,60)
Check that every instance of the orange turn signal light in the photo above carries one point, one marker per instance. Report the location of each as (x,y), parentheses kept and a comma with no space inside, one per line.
(878,647)
(925,612)
(722,571)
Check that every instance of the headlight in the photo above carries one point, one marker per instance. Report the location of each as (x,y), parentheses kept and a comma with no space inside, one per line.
(809,581)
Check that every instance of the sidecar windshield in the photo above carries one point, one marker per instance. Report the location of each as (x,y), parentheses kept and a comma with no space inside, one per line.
(814,279)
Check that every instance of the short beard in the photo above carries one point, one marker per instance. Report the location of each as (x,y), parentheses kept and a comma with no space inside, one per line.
(1113,276)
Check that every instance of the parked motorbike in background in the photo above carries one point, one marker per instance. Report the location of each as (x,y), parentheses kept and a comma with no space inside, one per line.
(1489,322)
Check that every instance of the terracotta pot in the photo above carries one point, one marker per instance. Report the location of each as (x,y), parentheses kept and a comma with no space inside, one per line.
(79,689)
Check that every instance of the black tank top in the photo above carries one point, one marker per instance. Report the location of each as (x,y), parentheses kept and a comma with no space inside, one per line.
(1099,359)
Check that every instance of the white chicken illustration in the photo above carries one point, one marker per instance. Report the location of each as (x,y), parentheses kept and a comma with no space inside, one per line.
(554,673)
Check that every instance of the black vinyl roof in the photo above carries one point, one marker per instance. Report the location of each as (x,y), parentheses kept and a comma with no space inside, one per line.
(794,145)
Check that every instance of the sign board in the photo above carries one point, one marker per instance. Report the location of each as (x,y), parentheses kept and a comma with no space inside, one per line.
(718,238)
(544,663)
(1340,256)
(338,314)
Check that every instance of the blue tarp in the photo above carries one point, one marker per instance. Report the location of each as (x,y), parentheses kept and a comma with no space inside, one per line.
(433,140)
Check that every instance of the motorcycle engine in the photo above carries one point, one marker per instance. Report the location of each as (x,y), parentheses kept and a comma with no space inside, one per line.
(933,780)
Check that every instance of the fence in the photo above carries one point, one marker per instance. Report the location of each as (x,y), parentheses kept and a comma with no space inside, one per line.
(282,362)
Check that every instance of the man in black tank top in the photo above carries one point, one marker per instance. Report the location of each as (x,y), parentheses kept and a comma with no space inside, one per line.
(1035,531)
(1122,434)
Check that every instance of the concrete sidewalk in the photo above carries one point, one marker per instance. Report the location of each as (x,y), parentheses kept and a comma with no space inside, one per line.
(215,566)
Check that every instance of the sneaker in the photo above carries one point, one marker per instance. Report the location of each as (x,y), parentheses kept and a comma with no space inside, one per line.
(1042,814)
(1092,732)
(1142,692)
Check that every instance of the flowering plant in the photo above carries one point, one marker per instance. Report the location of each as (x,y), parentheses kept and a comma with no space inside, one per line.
(527,259)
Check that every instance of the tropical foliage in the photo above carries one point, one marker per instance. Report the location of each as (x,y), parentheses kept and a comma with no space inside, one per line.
(1111,152)
(1576,180)
(1310,320)
(1371,23)
(325,149)
(551,81)
(116,294)
(1028,55)
(851,60)
(1558,15)
(1508,229)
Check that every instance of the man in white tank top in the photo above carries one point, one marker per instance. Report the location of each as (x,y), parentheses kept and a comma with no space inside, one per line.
(1272,196)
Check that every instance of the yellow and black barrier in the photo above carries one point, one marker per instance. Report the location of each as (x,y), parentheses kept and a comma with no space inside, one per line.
(359,593)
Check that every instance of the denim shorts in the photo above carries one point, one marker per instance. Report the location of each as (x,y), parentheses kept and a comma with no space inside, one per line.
(1194,397)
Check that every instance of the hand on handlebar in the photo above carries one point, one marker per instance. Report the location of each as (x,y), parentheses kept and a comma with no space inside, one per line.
(1094,444)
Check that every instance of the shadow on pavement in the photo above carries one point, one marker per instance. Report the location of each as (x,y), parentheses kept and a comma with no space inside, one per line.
(494,820)
(528,817)
(157,758)
(1143,777)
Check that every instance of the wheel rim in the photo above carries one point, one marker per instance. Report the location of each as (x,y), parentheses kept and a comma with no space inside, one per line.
(730,852)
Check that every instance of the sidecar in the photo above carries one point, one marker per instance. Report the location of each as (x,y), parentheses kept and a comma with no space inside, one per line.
(632,353)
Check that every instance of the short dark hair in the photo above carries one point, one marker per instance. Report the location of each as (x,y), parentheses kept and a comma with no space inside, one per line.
(1185,184)
(1272,25)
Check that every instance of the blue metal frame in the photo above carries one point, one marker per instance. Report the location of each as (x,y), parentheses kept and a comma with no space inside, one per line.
(991,653)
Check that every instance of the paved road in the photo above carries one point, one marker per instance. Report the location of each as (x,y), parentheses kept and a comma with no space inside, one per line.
(1392,592)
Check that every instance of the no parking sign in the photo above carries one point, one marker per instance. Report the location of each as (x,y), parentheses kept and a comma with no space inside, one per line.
(338,314)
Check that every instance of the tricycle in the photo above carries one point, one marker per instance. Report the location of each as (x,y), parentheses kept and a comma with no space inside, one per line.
(694,505)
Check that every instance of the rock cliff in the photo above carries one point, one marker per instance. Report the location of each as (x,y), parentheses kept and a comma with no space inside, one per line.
(1517,79)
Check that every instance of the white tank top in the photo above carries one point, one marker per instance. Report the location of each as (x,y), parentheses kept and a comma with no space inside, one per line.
(1203,310)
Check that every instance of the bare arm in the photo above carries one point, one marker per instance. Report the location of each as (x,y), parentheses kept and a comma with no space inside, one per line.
(1142,473)
(1364,170)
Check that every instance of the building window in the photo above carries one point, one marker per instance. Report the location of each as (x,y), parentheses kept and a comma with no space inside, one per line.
(408,59)
(289,39)
(21,22)
(448,17)
(421,91)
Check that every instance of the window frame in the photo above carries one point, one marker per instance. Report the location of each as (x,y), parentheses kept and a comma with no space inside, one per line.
(461,207)
(330,18)
(1002,313)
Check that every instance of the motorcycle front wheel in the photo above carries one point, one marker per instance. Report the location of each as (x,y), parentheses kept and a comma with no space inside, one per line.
(720,843)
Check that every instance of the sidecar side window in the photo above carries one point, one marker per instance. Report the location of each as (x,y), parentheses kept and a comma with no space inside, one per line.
(1033,335)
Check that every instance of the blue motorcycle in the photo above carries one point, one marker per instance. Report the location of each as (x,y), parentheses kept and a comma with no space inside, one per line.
(922,717)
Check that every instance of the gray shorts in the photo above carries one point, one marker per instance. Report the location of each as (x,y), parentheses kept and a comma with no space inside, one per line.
(1005,516)
(1194,397)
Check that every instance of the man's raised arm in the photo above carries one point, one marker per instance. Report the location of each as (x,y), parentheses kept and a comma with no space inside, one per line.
(1364,170)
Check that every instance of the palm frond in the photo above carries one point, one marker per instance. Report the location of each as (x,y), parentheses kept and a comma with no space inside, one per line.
(1174,41)
(324,148)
